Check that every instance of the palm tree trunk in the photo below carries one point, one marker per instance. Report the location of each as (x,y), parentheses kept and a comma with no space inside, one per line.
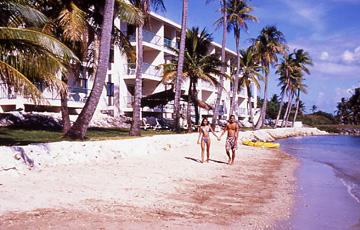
(195,103)
(135,125)
(180,67)
(288,110)
(234,104)
(261,120)
(188,110)
(281,105)
(78,130)
(250,106)
(64,107)
(223,67)
(297,107)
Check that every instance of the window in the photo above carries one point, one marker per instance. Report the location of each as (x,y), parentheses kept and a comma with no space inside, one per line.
(109,89)
(111,55)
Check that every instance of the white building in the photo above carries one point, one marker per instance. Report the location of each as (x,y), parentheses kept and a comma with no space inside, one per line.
(159,34)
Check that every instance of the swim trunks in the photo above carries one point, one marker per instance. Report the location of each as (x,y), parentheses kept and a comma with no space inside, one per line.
(231,143)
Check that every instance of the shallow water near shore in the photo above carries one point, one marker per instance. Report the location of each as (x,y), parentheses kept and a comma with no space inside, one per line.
(328,193)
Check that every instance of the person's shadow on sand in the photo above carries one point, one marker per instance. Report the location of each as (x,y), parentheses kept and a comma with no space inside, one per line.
(193,159)
(199,161)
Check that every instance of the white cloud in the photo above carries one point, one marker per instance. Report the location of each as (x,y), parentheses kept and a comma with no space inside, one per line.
(324,56)
(337,69)
(310,12)
(349,56)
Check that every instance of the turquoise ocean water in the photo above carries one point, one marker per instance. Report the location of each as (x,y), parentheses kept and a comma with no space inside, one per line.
(328,185)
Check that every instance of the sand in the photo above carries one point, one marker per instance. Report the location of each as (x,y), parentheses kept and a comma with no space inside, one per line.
(146,183)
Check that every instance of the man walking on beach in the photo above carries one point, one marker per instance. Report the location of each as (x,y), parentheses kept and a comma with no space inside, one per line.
(232,129)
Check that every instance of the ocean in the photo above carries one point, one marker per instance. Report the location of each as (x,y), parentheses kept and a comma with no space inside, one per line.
(328,184)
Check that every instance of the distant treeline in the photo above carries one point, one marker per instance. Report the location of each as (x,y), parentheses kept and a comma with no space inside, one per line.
(348,110)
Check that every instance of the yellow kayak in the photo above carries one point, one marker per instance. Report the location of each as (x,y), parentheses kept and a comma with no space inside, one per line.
(261,144)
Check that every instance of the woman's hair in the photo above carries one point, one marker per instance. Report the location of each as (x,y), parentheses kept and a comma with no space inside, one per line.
(202,122)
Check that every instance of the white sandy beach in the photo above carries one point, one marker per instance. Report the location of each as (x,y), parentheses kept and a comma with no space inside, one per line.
(146,183)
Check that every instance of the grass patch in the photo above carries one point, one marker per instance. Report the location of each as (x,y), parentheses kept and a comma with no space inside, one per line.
(18,136)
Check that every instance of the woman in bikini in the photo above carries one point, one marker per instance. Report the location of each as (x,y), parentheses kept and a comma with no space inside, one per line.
(204,138)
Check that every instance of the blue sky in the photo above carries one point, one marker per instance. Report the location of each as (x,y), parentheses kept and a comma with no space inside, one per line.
(328,29)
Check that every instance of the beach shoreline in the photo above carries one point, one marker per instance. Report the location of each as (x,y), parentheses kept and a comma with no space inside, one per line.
(159,186)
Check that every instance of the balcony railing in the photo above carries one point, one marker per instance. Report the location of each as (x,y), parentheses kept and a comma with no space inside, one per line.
(76,94)
(171,44)
(148,37)
(147,69)
(207,85)
(242,111)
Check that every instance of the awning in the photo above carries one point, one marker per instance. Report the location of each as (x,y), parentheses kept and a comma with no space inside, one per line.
(164,97)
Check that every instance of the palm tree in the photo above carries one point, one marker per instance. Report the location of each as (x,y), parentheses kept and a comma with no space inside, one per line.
(302,60)
(79,128)
(314,108)
(180,67)
(123,11)
(250,74)
(286,70)
(301,87)
(268,45)
(144,7)
(69,24)
(28,56)
(223,8)
(238,13)
(198,65)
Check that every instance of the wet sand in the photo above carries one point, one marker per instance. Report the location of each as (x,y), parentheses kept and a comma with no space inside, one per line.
(166,188)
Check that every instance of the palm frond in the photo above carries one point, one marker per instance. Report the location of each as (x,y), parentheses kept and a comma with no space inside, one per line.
(73,22)
(16,80)
(21,12)
(41,40)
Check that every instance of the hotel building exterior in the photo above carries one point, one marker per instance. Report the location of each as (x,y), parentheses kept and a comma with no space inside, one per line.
(160,36)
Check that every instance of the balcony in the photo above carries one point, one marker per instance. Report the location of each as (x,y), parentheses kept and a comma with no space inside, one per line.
(76,94)
(149,37)
(242,112)
(204,85)
(171,44)
(148,70)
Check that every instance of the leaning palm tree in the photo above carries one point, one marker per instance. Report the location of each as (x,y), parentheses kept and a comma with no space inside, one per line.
(79,128)
(291,86)
(302,60)
(286,69)
(144,6)
(180,67)
(238,13)
(125,11)
(301,88)
(198,65)
(268,45)
(250,75)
